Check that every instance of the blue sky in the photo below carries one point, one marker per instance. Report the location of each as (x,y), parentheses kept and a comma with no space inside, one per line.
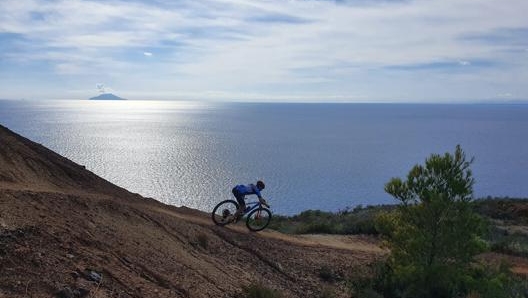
(289,50)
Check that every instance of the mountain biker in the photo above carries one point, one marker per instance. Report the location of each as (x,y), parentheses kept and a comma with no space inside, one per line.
(240,191)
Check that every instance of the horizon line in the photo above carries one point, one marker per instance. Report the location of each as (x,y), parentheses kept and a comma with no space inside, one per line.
(212,100)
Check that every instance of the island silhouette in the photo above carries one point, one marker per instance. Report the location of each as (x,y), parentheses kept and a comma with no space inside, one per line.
(107,96)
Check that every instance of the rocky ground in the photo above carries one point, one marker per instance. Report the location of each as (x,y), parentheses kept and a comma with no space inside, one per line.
(65,232)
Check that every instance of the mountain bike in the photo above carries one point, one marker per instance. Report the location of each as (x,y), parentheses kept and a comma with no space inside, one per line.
(258,216)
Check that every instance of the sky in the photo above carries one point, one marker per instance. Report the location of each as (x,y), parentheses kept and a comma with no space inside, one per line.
(272,50)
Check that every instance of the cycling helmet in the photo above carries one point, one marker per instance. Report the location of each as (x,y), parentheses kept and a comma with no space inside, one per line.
(260,185)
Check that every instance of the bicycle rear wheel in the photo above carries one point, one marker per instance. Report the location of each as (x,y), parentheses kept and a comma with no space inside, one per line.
(223,212)
(258,219)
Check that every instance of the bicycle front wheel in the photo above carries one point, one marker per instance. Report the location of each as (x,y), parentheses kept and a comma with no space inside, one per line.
(258,219)
(223,212)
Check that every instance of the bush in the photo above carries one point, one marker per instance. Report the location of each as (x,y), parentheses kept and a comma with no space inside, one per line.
(327,293)
(360,220)
(513,244)
(202,240)
(506,209)
(434,234)
(317,228)
(327,274)
(257,290)
(365,283)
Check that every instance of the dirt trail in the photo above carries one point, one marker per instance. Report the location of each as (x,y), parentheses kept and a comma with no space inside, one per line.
(345,242)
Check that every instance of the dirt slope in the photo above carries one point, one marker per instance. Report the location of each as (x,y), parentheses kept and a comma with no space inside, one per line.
(65,232)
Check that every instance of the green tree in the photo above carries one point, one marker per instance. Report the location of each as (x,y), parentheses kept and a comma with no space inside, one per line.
(433,235)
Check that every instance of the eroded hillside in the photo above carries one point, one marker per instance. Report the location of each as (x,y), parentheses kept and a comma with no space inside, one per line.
(66,232)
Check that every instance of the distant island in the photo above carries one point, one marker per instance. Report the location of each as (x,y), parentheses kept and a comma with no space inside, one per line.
(107,96)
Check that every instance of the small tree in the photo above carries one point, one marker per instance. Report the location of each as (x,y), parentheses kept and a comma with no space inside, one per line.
(434,234)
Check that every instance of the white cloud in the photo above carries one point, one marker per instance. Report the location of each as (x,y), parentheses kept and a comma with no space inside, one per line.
(269,48)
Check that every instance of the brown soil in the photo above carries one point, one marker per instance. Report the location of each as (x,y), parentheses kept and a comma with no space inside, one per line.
(65,232)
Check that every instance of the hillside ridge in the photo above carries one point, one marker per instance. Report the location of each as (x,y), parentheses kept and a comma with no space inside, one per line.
(65,232)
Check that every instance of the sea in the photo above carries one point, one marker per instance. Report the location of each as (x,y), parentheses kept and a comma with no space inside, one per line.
(325,156)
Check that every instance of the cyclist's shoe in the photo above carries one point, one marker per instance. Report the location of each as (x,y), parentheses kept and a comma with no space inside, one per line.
(225,213)
(232,218)
(237,218)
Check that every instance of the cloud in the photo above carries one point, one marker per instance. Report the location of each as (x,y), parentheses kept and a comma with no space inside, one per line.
(505,95)
(292,48)
(100,87)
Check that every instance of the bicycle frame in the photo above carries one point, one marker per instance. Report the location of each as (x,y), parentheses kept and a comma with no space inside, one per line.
(250,206)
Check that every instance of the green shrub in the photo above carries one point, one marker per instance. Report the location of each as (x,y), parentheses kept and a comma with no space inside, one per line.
(202,240)
(327,274)
(360,220)
(513,244)
(505,208)
(327,292)
(365,282)
(317,228)
(257,290)
(434,234)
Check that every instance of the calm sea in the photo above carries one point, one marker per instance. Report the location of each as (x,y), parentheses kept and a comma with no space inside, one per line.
(311,156)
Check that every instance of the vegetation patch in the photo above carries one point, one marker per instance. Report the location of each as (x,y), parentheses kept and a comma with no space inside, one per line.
(515,244)
(328,274)
(257,290)
(503,208)
(358,220)
(202,240)
(434,235)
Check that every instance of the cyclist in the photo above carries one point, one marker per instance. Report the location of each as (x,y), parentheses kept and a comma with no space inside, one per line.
(240,191)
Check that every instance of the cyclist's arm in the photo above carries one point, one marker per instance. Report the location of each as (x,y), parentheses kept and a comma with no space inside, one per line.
(259,195)
(263,202)
(256,191)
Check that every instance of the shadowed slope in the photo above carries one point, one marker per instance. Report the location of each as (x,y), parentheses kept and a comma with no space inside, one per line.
(29,165)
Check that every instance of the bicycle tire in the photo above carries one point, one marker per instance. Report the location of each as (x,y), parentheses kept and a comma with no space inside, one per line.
(258,219)
(222,210)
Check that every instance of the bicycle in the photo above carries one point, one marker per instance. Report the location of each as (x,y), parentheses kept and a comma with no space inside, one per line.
(257,219)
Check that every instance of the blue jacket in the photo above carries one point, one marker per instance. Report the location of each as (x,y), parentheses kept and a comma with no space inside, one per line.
(250,189)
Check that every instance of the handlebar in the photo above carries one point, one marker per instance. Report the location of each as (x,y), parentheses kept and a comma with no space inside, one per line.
(265,204)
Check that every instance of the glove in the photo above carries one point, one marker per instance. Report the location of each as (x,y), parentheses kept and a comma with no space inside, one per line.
(263,202)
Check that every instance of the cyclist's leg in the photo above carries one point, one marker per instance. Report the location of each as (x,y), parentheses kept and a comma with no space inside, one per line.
(241,203)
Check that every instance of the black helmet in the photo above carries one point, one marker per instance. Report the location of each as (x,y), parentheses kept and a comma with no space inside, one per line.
(260,185)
